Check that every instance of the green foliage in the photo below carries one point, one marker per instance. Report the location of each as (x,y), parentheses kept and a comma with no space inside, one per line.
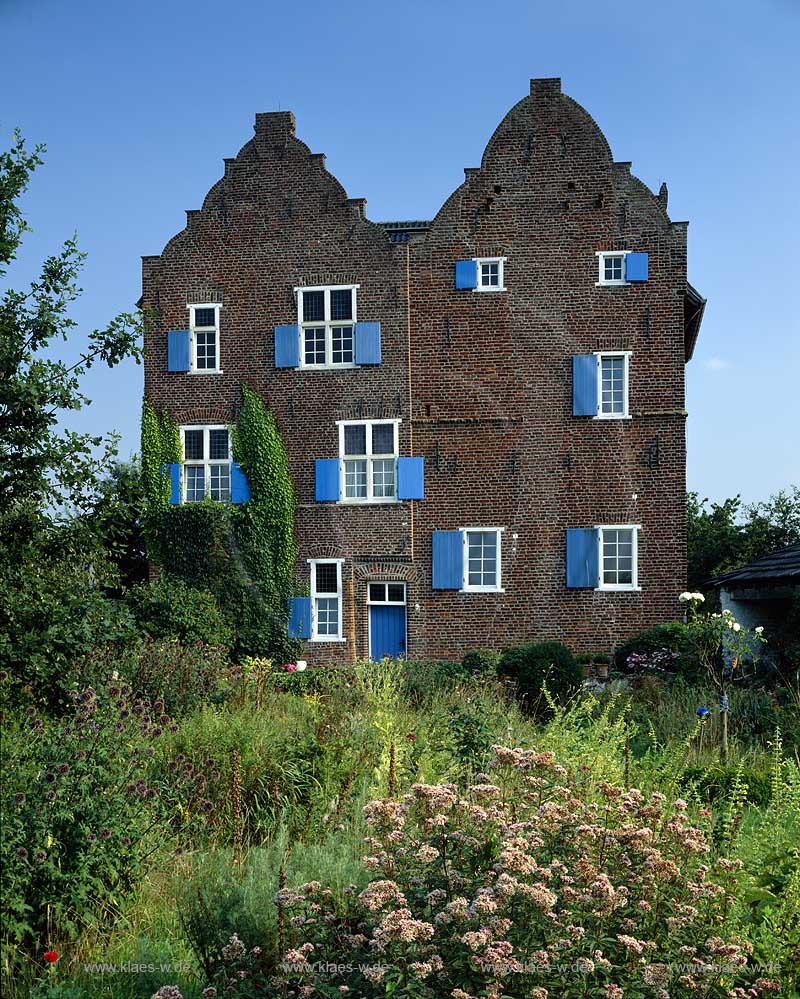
(116,517)
(539,663)
(40,463)
(715,781)
(169,608)
(674,637)
(723,536)
(481,662)
(161,446)
(182,676)
(83,805)
(244,554)
(53,605)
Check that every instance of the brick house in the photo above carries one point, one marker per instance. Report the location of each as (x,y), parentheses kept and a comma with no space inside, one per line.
(484,413)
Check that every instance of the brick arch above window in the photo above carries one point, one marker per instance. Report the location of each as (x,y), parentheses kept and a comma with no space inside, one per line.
(202,414)
(320,551)
(388,571)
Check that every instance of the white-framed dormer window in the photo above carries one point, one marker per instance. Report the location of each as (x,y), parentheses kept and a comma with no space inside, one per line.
(618,556)
(368,450)
(482,561)
(611,267)
(204,338)
(206,463)
(490,273)
(612,385)
(326,316)
(326,600)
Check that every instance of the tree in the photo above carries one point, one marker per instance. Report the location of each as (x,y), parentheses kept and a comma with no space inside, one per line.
(117,518)
(40,463)
(724,536)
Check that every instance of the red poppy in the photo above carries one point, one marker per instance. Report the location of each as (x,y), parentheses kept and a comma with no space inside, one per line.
(51,956)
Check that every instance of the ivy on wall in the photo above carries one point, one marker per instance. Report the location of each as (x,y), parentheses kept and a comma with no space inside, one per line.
(243,554)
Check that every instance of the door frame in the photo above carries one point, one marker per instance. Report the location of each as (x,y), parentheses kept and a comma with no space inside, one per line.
(387,603)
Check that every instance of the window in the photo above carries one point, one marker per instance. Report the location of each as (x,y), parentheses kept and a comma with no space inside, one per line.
(490,274)
(206,464)
(368,454)
(618,557)
(326,601)
(326,317)
(612,385)
(386,593)
(612,268)
(482,559)
(204,338)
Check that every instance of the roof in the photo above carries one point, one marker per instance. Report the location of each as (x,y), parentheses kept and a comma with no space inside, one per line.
(693,307)
(405,226)
(781,566)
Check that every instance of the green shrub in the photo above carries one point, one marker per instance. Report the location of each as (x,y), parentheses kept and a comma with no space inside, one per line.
(673,638)
(717,781)
(539,663)
(481,662)
(168,608)
(85,799)
(182,676)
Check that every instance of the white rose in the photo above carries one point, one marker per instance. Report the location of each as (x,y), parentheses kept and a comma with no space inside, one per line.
(760,630)
(301,665)
(736,626)
(698,596)
(684,597)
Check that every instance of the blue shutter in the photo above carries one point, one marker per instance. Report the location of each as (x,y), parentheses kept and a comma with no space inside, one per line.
(327,479)
(240,490)
(448,560)
(411,478)
(635,266)
(299,617)
(584,385)
(368,343)
(466,274)
(174,473)
(583,557)
(287,347)
(178,350)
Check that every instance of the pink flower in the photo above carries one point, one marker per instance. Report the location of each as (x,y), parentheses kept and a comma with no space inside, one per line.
(290,667)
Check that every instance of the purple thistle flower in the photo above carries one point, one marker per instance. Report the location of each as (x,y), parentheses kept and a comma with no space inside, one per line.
(19,798)
(40,856)
(105,834)
(22,853)
(63,769)
(91,838)
(50,796)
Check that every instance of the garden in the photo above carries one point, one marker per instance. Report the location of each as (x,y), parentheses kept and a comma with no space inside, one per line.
(187,812)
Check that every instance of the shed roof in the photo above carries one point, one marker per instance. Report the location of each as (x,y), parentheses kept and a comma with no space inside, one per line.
(781,566)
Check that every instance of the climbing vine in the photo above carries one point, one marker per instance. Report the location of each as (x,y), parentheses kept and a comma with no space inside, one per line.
(244,554)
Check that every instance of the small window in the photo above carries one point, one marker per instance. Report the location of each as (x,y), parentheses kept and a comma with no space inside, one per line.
(618,557)
(206,464)
(368,453)
(326,601)
(386,593)
(611,268)
(204,338)
(490,274)
(326,317)
(482,559)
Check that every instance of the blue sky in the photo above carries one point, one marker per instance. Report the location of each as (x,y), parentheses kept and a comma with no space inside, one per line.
(139,103)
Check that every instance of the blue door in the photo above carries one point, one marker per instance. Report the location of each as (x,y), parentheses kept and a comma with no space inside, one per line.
(387,631)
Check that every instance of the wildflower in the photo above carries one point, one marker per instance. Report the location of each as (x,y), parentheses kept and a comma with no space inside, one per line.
(19,798)
(379,893)
(50,956)
(91,838)
(585,965)
(637,946)
(40,856)
(22,853)
(233,949)
(209,993)
(614,992)
(105,834)
(427,854)
(167,992)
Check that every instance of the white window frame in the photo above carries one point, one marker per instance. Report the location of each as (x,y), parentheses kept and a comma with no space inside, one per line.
(465,586)
(194,329)
(207,463)
(369,457)
(387,583)
(626,356)
(601,268)
(325,596)
(633,586)
(327,323)
(501,283)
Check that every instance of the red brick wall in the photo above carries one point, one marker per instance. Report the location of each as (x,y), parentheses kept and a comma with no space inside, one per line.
(490,398)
